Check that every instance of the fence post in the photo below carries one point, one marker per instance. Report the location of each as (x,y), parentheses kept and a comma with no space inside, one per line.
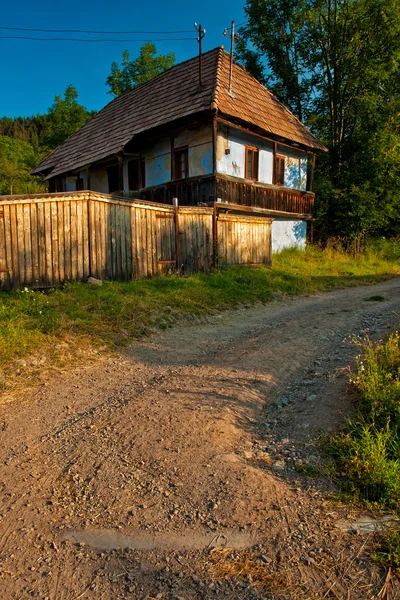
(177,237)
(215,238)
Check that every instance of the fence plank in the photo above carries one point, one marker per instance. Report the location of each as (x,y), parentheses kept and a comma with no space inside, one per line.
(85,232)
(48,239)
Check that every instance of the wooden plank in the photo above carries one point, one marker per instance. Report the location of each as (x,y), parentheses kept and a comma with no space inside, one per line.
(149,250)
(20,243)
(158,241)
(48,244)
(118,235)
(143,242)
(104,210)
(182,239)
(92,239)
(61,240)
(8,244)
(111,241)
(99,238)
(86,243)
(34,244)
(41,228)
(74,240)
(54,242)
(154,242)
(4,275)
(27,244)
(134,246)
(123,243)
(15,253)
(128,243)
(79,236)
(67,240)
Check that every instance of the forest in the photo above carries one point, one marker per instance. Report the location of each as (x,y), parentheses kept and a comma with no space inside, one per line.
(334,63)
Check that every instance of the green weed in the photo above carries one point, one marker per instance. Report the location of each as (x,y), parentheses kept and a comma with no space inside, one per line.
(387,553)
(368,451)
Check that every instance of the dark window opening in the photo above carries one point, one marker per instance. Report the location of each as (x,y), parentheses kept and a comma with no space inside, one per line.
(251,164)
(79,184)
(280,170)
(181,163)
(137,174)
(113,179)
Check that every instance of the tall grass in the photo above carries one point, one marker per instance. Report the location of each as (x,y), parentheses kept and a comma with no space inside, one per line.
(369,450)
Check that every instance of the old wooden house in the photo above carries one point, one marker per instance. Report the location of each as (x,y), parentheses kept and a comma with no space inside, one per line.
(223,139)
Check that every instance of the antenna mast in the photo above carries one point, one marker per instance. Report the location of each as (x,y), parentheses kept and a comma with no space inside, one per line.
(233,38)
(201,33)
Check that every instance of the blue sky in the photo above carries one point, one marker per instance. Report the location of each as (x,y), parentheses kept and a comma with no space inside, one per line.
(33,72)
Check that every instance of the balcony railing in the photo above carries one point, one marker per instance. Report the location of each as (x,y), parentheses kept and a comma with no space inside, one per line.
(212,188)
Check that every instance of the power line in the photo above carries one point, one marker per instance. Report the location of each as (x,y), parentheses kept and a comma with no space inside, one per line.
(13,37)
(93,31)
(228,28)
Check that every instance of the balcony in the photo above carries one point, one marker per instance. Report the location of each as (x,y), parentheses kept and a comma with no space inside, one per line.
(210,188)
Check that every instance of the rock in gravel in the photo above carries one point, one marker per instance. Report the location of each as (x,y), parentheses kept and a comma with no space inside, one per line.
(311,397)
(279,465)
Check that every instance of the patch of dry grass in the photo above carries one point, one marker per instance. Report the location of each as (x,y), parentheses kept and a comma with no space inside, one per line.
(225,563)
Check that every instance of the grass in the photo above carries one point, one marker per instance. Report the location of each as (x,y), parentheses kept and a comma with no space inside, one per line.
(368,451)
(62,325)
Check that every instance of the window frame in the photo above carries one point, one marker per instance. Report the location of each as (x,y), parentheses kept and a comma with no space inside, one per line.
(280,161)
(140,175)
(255,163)
(182,150)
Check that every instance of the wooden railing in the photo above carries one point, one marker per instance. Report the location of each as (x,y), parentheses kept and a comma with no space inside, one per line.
(210,188)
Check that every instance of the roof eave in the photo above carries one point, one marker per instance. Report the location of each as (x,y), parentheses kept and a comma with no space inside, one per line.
(252,127)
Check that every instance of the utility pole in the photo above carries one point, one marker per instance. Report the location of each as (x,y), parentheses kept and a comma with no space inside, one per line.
(233,38)
(201,33)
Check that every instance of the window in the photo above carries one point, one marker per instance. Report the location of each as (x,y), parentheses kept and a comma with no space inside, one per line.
(137,174)
(181,163)
(280,170)
(251,165)
(113,179)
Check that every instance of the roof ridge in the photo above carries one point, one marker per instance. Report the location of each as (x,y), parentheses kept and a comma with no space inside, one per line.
(160,75)
(215,93)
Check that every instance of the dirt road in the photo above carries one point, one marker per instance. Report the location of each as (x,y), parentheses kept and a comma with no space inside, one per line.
(117,481)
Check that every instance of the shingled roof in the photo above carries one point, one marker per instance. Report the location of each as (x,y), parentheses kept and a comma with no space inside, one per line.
(172,95)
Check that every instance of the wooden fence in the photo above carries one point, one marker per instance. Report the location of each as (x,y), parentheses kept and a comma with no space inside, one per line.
(48,239)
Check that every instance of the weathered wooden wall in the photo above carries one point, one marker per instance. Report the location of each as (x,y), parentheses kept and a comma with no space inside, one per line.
(49,239)
(243,240)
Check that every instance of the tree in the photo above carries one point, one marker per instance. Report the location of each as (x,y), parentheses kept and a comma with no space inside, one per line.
(139,70)
(17,159)
(64,117)
(335,63)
